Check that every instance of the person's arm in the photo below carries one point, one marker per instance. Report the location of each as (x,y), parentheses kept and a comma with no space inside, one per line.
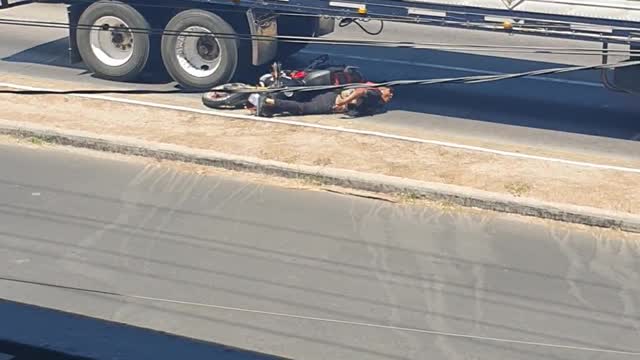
(357,93)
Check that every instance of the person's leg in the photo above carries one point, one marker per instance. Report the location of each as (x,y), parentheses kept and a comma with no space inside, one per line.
(286,106)
(319,104)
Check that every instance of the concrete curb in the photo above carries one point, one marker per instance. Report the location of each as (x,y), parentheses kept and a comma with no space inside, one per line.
(345,178)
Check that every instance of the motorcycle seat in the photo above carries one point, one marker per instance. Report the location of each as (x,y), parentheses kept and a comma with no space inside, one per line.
(318,77)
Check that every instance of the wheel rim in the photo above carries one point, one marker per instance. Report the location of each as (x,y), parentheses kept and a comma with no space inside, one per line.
(111,41)
(215,95)
(198,56)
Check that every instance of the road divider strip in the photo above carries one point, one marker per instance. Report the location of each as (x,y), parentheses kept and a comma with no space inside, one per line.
(335,128)
(458,195)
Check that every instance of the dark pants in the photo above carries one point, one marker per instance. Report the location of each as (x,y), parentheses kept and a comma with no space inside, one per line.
(319,104)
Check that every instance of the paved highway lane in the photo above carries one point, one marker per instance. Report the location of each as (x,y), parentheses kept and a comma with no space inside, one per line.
(578,115)
(153,231)
(27,334)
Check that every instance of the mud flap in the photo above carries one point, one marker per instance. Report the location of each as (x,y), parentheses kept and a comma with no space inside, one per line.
(73,14)
(262,24)
(628,78)
(326,25)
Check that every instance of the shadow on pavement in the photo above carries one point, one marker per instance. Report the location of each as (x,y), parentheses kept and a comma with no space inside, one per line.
(568,107)
(29,332)
(590,110)
(546,113)
(56,53)
(52,53)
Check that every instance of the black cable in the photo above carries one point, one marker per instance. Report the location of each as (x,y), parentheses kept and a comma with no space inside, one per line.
(315,40)
(250,4)
(340,13)
(348,21)
(347,13)
(344,14)
(97,92)
(395,83)
(59,286)
(466,80)
(123,295)
(457,80)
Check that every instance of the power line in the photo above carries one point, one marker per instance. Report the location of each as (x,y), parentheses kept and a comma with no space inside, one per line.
(560,27)
(376,43)
(320,319)
(344,42)
(537,26)
(476,79)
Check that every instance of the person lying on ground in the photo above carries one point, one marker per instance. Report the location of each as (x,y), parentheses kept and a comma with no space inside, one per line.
(354,102)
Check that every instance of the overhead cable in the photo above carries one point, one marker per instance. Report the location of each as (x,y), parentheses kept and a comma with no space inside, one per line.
(316,319)
(477,79)
(344,42)
(525,24)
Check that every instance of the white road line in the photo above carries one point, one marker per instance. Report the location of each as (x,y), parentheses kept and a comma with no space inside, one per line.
(451,68)
(338,129)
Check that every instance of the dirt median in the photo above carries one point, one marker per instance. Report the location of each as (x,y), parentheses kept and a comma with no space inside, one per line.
(543,180)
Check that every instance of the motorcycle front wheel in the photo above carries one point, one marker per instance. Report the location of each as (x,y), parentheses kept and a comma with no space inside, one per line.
(219,99)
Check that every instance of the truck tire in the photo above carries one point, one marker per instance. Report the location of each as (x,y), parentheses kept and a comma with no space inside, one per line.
(202,61)
(118,53)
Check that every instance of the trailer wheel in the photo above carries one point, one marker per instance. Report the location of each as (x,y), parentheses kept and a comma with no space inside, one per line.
(109,48)
(197,59)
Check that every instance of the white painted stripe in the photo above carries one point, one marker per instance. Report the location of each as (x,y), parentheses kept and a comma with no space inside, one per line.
(347,5)
(596,28)
(425,12)
(559,7)
(498,19)
(338,129)
(626,5)
(453,68)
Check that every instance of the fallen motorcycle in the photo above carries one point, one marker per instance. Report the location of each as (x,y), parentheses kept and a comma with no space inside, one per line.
(318,72)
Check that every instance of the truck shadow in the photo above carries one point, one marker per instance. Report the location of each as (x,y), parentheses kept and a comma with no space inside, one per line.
(579,105)
(548,114)
(31,332)
(55,53)
(52,53)
(568,107)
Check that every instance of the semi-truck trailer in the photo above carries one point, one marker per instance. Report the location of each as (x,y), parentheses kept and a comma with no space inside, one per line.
(203,43)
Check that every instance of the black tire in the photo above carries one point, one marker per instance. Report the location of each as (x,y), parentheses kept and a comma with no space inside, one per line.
(140,44)
(227,49)
(224,100)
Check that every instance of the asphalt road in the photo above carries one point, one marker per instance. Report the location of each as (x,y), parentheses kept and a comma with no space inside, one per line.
(152,231)
(27,334)
(576,114)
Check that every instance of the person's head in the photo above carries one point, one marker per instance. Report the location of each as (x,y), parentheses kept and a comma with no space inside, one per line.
(373,102)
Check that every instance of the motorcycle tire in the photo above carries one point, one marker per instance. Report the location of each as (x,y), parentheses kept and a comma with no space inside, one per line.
(226,100)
